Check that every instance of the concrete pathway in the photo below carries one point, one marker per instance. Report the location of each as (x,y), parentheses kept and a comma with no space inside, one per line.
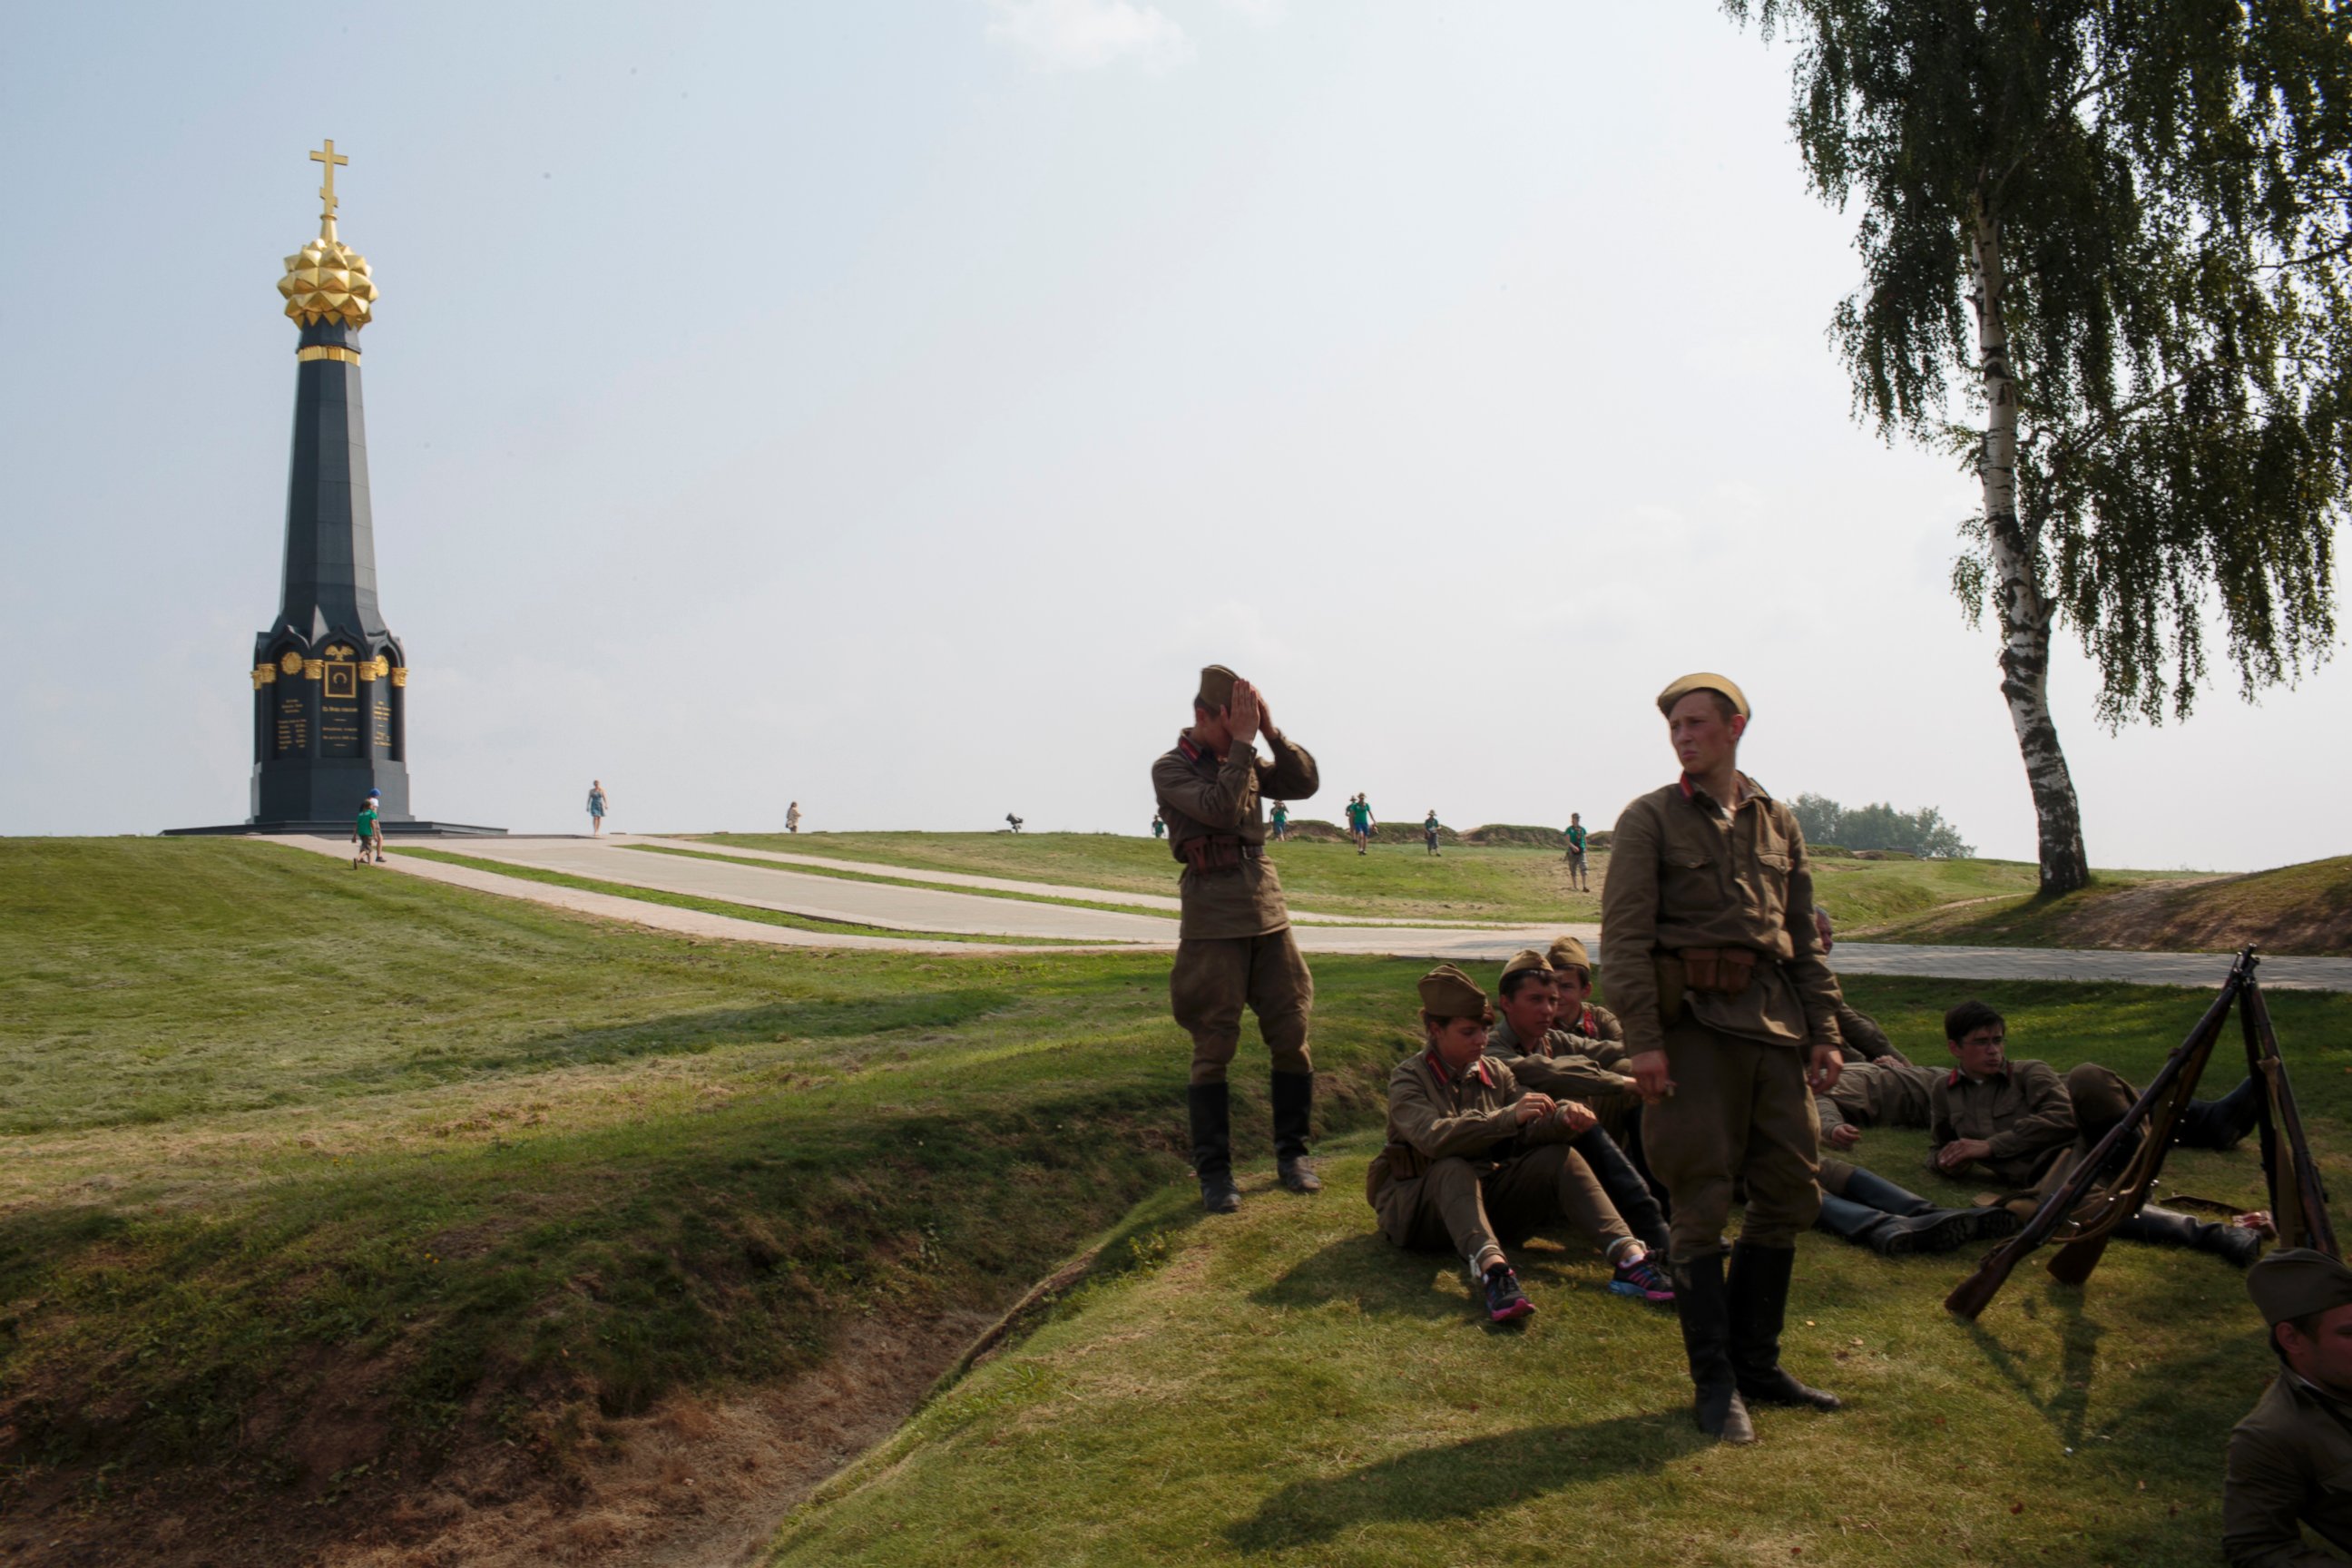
(919,910)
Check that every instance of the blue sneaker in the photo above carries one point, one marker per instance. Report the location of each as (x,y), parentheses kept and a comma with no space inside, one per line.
(1641,1278)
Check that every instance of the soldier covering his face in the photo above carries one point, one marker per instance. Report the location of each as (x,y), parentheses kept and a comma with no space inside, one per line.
(1234,946)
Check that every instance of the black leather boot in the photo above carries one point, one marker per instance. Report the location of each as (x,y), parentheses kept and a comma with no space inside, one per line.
(1213,1146)
(1902,1222)
(1294,1109)
(2168,1227)
(1757,1286)
(1626,1189)
(2220,1123)
(1704,1309)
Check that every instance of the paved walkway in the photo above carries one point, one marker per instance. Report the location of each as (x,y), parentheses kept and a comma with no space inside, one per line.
(919,909)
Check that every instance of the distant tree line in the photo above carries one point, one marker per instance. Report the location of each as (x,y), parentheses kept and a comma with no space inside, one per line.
(1922,832)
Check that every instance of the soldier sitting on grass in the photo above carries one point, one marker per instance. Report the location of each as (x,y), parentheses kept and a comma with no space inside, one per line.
(1473,1157)
(2018,1123)
(2289,1457)
(1551,1062)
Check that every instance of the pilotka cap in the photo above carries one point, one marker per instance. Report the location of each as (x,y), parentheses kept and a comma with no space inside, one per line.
(1703,681)
(1447,992)
(1526,958)
(1569,954)
(2296,1281)
(1216,688)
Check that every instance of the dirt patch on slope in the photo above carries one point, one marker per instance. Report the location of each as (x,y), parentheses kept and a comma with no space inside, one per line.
(2303,910)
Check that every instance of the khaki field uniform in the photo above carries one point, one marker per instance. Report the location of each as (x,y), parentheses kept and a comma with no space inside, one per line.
(1460,1172)
(1600,1034)
(2038,1124)
(1558,1065)
(1234,947)
(2290,1465)
(1879,1094)
(1865,1040)
(1708,942)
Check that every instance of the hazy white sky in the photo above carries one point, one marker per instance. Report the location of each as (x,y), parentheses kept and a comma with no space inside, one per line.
(889,407)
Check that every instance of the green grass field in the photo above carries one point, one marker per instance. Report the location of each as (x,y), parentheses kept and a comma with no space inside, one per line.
(348,1209)
(1287,1388)
(1397,880)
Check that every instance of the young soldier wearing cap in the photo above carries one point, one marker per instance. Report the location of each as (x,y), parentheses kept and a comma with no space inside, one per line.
(1233,945)
(1473,1156)
(1550,1061)
(1602,1033)
(2290,1457)
(1707,931)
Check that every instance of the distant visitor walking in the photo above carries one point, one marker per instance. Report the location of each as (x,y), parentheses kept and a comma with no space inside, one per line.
(1011,822)
(1234,946)
(368,833)
(1575,842)
(1359,823)
(793,817)
(1159,825)
(1281,818)
(1428,830)
(597,806)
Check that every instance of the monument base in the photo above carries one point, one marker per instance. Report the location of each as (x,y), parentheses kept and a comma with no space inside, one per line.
(341,828)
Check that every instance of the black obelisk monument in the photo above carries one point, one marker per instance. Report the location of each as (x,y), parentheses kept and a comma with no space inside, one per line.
(330,681)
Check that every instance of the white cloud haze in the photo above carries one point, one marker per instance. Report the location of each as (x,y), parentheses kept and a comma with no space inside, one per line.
(1081,34)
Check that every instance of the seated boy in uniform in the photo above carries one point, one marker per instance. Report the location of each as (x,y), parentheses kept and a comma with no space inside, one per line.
(1473,1157)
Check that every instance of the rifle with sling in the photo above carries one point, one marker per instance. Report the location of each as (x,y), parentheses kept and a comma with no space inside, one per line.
(2155,1111)
(2299,1199)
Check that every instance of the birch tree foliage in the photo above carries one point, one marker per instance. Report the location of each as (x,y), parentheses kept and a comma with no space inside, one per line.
(2119,230)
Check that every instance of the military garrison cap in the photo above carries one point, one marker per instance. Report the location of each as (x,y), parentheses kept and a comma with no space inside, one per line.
(1216,688)
(1567,952)
(1702,682)
(2296,1281)
(1526,958)
(1447,992)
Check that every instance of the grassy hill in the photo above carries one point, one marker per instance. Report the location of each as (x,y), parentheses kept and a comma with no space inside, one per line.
(2304,909)
(1288,1389)
(345,1207)
(1398,879)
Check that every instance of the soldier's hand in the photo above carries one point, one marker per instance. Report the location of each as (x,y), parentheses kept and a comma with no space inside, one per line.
(1844,1135)
(1534,1107)
(1576,1116)
(1828,1062)
(1650,1079)
(1960,1151)
(1242,713)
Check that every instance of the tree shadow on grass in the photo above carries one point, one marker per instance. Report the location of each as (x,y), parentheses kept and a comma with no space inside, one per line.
(1458,1480)
(2065,1405)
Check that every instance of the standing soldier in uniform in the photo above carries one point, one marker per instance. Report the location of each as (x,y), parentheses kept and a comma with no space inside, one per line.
(1706,932)
(1233,945)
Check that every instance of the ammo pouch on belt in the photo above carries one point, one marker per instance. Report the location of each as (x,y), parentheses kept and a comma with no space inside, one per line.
(1725,971)
(1216,852)
(1394,1162)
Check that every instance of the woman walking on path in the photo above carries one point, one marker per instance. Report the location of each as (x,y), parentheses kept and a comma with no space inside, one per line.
(597,806)
(793,817)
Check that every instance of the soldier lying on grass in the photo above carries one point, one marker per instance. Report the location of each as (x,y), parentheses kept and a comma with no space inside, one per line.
(2018,1123)
(1473,1157)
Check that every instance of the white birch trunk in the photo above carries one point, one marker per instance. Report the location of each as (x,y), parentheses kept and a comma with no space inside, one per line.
(2025,614)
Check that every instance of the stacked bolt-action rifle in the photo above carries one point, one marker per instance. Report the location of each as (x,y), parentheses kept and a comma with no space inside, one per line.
(2083,1212)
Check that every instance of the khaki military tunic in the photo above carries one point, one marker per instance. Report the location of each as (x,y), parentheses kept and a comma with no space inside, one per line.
(1560,1065)
(1865,1040)
(1685,873)
(2023,1113)
(1233,945)
(1879,1094)
(1461,1171)
(1600,1034)
(2290,1465)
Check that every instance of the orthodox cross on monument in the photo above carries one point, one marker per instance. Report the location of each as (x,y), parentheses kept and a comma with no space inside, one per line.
(330,158)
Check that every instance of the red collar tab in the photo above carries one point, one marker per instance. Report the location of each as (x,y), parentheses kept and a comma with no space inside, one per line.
(1436,1066)
(1689,793)
(1953,1082)
(1192,753)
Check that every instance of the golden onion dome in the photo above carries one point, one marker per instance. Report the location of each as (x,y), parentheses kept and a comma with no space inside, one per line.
(327,280)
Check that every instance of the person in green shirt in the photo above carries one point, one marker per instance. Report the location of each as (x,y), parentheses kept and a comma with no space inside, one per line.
(1159,825)
(1359,823)
(1576,841)
(1428,830)
(367,835)
(1281,819)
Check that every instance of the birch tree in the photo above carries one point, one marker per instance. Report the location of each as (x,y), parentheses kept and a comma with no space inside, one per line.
(2115,233)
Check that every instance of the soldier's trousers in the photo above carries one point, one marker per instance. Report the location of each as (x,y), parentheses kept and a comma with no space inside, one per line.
(1451,1205)
(1740,1113)
(2102,1098)
(1215,977)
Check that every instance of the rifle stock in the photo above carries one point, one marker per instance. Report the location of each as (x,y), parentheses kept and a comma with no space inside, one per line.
(2306,1223)
(2073,1264)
